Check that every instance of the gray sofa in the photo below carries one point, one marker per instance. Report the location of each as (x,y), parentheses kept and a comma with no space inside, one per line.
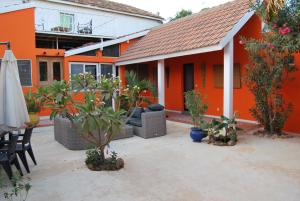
(68,136)
(151,124)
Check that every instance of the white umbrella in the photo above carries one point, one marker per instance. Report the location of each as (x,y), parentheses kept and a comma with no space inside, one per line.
(13,110)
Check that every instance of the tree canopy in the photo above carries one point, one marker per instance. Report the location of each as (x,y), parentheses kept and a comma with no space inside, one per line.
(180,14)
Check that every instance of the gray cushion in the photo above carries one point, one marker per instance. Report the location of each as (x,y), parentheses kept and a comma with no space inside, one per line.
(137,112)
(156,107)
(3,157)
(135,122)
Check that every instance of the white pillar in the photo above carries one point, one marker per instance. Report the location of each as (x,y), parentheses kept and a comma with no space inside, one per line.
(114,73)
(161,81)
(228,80)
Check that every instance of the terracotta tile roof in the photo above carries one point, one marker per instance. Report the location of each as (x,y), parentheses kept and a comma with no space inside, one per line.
(115,6)
(203,29)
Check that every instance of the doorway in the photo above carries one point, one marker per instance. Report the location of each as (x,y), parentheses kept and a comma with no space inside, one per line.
(49,69)
(188,79)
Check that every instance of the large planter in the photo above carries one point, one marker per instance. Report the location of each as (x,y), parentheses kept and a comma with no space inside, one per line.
(66,134)
(197,134)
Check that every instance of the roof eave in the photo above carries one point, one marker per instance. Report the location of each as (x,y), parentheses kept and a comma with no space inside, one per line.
(16,7)
(171,55)
(236,28)
(101,45)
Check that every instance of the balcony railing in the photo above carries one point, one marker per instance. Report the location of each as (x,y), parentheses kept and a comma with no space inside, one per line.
(49,20)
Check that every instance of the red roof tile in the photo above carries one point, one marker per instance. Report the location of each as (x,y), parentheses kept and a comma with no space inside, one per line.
(115,6)
(203,29)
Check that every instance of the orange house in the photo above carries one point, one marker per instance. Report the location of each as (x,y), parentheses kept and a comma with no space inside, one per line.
(200,52)
(43,35)
(203,52)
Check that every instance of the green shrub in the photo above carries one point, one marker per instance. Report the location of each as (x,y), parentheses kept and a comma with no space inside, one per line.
(196,107)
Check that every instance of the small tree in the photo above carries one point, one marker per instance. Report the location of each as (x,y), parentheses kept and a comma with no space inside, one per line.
(271,64)
(96,121)
(196,107)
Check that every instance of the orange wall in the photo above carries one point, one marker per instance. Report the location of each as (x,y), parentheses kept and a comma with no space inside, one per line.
(18,28)
(212,95)
(291,93)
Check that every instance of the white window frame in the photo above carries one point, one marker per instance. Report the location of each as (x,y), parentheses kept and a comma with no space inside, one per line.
(98,68)
(84,64)
(113,68)
(70,15)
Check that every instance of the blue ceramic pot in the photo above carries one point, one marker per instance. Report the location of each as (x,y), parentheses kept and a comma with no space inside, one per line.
(197,134)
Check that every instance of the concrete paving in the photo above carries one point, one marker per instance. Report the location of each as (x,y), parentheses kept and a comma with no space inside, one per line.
(170,168)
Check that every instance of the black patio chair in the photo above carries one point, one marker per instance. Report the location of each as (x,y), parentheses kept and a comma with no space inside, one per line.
(8,156)
(25,145)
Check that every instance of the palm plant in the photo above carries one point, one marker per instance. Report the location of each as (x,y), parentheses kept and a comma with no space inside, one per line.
(133,93)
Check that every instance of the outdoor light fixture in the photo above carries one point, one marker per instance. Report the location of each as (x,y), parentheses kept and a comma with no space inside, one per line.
(7,44)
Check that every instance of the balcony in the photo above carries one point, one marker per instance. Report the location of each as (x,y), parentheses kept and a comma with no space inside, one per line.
(74,23)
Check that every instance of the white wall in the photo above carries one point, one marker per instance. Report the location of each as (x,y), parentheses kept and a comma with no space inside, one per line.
(4,3)
(104,23)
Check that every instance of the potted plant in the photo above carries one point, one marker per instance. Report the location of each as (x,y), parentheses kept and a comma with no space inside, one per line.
(34,104)
(196,107)
(223,132)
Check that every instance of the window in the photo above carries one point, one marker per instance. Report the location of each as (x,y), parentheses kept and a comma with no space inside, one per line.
(77,68)
(67,20)
(168,76)
(154,76)
(49,70)
(203,74)
(111,51)
(95,69)
(107,70)
(141,70)
(56,71)
(43,65)
(92,69)
(24,67)
(89,53)
(218,71)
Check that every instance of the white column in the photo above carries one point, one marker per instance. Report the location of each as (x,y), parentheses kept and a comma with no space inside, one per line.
(114,73)
(228,80)
(161,81)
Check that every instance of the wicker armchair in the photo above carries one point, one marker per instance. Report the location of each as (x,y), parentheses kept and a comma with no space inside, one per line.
(153,125)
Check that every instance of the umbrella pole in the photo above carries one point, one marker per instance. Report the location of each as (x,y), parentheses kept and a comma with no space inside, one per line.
(7,44)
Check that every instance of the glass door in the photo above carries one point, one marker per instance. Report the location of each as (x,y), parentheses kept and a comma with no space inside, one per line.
(49,69)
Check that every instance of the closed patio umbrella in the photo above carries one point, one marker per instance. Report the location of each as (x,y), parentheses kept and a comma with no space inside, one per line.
(13,110)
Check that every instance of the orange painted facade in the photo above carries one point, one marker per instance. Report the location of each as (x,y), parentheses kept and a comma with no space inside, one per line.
(18,28)
(243,99)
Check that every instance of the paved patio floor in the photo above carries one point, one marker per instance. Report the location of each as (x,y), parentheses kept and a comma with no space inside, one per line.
(170,168)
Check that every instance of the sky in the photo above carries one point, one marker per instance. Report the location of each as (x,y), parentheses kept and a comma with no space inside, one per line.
(168,8)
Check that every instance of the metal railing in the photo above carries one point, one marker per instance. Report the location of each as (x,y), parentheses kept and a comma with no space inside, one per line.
(49,20)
